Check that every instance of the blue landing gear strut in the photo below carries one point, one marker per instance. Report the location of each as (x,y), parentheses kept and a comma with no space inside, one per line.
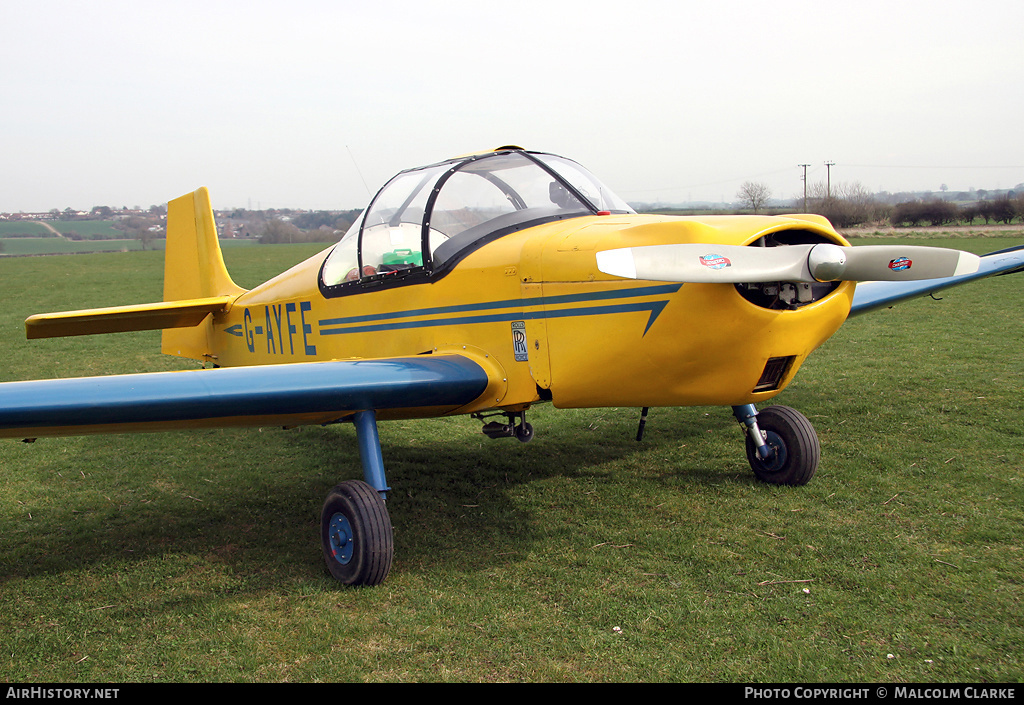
(355,529)
(747,415)
(369,451)
(782,446)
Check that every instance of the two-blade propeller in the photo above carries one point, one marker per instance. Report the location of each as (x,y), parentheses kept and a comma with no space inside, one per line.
(733,264)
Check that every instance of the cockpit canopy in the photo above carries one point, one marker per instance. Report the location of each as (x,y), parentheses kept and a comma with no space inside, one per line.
(424,220)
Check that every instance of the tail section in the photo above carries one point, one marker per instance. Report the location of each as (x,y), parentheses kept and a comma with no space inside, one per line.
(193,264)
(193,269)
(196,284)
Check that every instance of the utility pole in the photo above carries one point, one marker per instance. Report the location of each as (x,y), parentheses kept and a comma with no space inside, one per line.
(804,179)
(828,179)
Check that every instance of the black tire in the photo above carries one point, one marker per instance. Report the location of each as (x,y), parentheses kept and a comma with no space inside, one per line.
(355,533)
(794,442)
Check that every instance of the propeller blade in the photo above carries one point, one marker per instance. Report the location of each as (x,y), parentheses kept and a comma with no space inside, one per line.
(906,263)
(707,264)
(734,264)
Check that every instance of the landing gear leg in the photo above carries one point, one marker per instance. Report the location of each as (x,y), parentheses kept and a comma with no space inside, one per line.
(782,447)
(369,451)
(747,415)
(355,529)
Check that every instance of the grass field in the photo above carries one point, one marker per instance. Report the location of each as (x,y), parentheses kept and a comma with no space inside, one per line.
(31,246)
(581,556)
(27,246)
(21,228)
(88,229)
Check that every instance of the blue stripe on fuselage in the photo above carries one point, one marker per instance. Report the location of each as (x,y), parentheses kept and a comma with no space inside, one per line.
(518,312)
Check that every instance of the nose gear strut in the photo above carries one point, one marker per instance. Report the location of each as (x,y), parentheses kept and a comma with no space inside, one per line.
(747,415)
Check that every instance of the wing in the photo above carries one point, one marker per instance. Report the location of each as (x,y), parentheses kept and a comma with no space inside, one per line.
(880,294)
(285,395)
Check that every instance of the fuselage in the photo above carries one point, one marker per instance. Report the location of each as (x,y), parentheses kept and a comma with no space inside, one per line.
(532,308)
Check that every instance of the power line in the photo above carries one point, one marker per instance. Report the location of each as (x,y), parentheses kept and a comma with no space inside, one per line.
(708,183)
(804,179)
(926,166)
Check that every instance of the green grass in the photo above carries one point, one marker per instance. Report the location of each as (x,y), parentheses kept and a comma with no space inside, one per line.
(581,556)
(88,229)
(28,246)
(940,236)
(21,228)
(21,246)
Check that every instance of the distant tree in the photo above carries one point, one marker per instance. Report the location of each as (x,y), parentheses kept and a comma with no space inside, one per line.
(138,228)
(1003,209)
(145,237)
(983,209)
(967,213)
(941,212)
(278,231)
(934,212)
(907,213)
(313,220)
(346,219)
(845,204)
(754,195)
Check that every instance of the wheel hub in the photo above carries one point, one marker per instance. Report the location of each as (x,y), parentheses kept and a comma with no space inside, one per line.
(340,536)
(777,460)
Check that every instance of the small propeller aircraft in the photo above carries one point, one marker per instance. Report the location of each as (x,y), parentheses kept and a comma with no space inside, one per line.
(484,285)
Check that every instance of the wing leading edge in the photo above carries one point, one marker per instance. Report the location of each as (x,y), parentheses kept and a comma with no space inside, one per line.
(292,394)
(880,294)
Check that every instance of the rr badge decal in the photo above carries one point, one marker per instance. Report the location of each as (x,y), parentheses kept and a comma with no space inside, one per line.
(519,340)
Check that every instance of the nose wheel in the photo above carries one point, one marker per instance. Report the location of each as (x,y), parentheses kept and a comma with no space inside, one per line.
(788,451)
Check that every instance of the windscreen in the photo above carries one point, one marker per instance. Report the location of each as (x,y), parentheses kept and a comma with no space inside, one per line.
(425,217)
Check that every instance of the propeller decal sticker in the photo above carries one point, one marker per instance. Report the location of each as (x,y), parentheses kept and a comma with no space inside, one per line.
(715,261)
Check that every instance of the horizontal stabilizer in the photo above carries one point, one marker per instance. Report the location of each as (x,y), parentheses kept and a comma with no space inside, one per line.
(703,263)
(118,319)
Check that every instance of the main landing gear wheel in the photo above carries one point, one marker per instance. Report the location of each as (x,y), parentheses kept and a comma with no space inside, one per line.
(355,532)
(794,444)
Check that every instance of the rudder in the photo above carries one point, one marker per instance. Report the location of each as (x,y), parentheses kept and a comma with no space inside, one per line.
(193,269)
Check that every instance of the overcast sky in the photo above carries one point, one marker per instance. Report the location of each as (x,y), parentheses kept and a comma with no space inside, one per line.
(313,103)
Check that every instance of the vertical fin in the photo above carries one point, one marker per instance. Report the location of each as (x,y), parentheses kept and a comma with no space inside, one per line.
(193,269)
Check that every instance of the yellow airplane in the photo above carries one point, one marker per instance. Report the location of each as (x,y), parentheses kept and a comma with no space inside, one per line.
(484,285)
